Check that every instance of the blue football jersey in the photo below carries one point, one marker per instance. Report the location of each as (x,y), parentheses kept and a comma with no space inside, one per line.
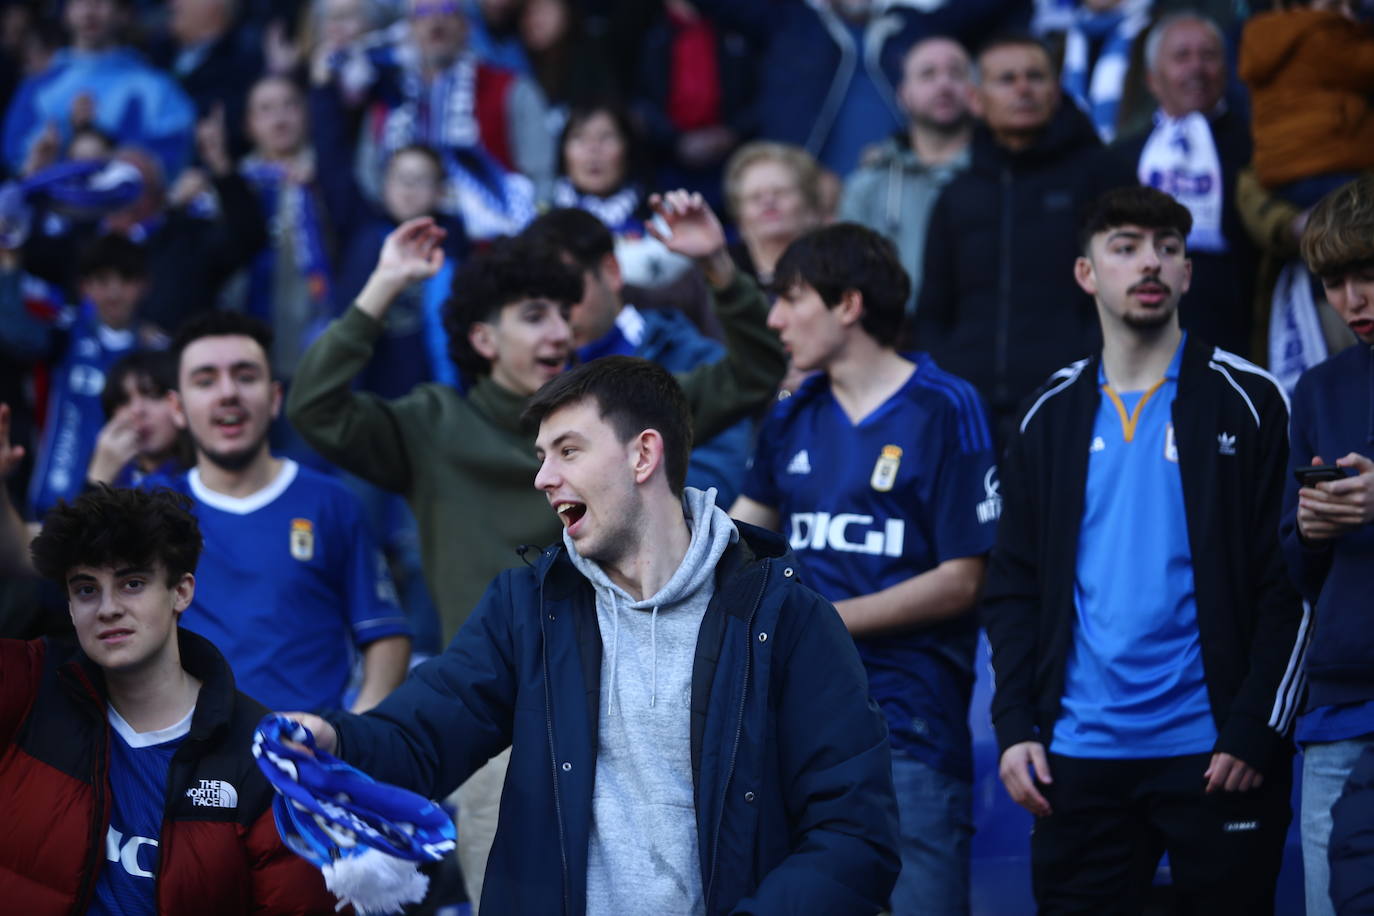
(139,764)
(290,582)
(870,504)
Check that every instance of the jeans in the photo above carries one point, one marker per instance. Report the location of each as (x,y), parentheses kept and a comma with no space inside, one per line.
(936,814)
(1325,767)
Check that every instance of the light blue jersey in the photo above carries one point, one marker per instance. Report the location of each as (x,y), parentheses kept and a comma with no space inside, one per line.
(1134,685)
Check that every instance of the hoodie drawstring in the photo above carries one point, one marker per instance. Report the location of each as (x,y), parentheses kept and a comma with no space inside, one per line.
(615,644)
(653,657)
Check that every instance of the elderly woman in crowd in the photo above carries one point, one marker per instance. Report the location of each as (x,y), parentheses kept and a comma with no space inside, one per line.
(774,193)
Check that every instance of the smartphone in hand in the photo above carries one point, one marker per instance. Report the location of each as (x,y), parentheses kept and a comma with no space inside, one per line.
(1313,474)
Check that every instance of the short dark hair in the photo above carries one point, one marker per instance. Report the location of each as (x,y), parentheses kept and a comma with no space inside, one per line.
(632,395)
(1137,205)
(111,253)
(846,256)
(221,323)
(1013,39)
(576,233)
(508,270)
(156,368)
(1340,230)
(109,527)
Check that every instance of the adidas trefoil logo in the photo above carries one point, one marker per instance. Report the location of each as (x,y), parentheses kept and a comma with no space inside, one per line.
(213,793)
(800,463)
(1226,444)
(1098,445)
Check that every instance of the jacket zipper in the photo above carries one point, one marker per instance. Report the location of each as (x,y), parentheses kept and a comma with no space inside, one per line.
(169,798)
(100,768)
(999,380)
(553,754)
(739,730)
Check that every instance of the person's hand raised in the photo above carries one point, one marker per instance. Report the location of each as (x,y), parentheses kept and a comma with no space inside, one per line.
(693,232)
(412,252)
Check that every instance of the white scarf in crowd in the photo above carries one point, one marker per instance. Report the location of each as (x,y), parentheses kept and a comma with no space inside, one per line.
(1180,158)
(1296,342)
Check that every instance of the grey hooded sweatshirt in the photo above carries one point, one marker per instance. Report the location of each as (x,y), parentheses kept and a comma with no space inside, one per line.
(642,854)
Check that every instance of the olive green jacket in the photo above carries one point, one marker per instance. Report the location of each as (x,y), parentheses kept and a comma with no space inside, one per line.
(465,462)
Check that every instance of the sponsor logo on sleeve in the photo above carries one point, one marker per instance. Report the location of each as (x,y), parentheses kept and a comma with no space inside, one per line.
(990,509)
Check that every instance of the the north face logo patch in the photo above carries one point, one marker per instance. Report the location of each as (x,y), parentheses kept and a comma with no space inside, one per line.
(213,793)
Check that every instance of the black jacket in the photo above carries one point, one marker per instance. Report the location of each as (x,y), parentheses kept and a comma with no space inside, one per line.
(1231,426)
(1218,305)
(999,305)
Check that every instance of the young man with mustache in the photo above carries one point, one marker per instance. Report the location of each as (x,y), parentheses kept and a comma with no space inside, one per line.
(1146,642)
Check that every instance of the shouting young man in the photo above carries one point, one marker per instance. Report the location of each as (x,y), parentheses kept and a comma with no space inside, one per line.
(689,725)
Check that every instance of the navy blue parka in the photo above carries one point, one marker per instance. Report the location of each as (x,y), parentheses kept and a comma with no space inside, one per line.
(790,762)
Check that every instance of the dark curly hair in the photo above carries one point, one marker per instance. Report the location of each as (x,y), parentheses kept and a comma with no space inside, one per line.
(109,527)
(509,270)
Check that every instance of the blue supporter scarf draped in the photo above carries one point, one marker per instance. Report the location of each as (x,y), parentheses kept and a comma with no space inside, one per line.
(271,181)
(442,114)
(1097,88)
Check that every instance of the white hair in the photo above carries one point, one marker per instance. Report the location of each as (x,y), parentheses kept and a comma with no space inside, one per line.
(1157,32)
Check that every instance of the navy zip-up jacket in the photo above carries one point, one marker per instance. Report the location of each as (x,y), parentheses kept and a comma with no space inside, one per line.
(792,774)
(1230,424)
(1333,415)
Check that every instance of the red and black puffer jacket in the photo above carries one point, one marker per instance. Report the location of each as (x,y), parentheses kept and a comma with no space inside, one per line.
(219,854)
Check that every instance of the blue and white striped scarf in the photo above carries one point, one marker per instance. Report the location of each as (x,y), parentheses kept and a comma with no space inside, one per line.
(1098,92)
(364,835)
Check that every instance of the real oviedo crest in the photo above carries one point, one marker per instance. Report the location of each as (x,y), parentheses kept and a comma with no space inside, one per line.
(302,539)
(885,470)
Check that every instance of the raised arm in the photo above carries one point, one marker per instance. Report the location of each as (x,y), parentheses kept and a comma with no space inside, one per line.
(746,378)
(356,430)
